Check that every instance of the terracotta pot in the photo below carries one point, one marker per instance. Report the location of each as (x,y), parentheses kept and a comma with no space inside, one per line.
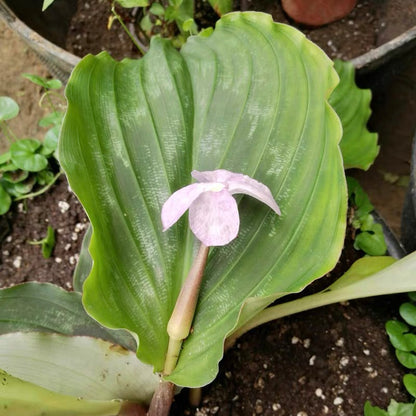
(317,12)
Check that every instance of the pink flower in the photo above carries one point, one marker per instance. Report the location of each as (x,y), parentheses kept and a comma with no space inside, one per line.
(213,212)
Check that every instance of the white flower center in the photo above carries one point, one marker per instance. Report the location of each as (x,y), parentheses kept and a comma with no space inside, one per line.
(216,187)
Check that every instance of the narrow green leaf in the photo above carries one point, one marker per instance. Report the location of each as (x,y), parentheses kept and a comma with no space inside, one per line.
(352,104)
(251,98)
(8,108)
(18,397)
(47,308)
(408,313)
(46,4)
(36,79)
(84,265)
(47,243)
(368,276)
(77,366)
(133,3)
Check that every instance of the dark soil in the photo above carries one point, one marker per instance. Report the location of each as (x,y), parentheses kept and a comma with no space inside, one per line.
(28,221)
(370,24)
(328,361)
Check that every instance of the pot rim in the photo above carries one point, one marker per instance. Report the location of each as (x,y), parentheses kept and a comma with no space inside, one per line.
(61,62)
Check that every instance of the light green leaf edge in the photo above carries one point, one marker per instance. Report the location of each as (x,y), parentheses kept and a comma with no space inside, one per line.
(45,307)
(77,366)
(46,4)
(368,276)
(84,265)
(18,397)
(162,67)
(133,3)
(352,104)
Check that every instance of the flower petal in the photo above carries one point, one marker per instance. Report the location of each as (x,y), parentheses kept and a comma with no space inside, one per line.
(243,184)
(214,219)
(237,183)
(219,175)
(180,201)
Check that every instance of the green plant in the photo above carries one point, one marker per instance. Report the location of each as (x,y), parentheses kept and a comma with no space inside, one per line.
(402,336)
(28,168)
(251,97)
(46,243)
(172,19)
(369,235)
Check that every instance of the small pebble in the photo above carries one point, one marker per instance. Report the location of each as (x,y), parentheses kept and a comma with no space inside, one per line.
(343,362)
(307,342)
(276,407)
(312,360)
(366,352)
(340,342)
(58,260)
(17,262)
(63,206)
(338,401)
(295,340)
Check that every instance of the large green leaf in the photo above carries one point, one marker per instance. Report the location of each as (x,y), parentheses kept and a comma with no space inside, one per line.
(368,276)
(47,308)
(352,104)
(19,397)
(77,366)
(250,98)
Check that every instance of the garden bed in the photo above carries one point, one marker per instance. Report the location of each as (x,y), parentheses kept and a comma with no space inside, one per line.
(325,362)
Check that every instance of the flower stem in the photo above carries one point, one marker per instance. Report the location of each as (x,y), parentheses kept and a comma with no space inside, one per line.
(162,399)
(132,38)
(182,316)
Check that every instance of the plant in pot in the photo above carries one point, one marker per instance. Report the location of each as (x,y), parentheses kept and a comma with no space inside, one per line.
(155,17)
(133,132)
